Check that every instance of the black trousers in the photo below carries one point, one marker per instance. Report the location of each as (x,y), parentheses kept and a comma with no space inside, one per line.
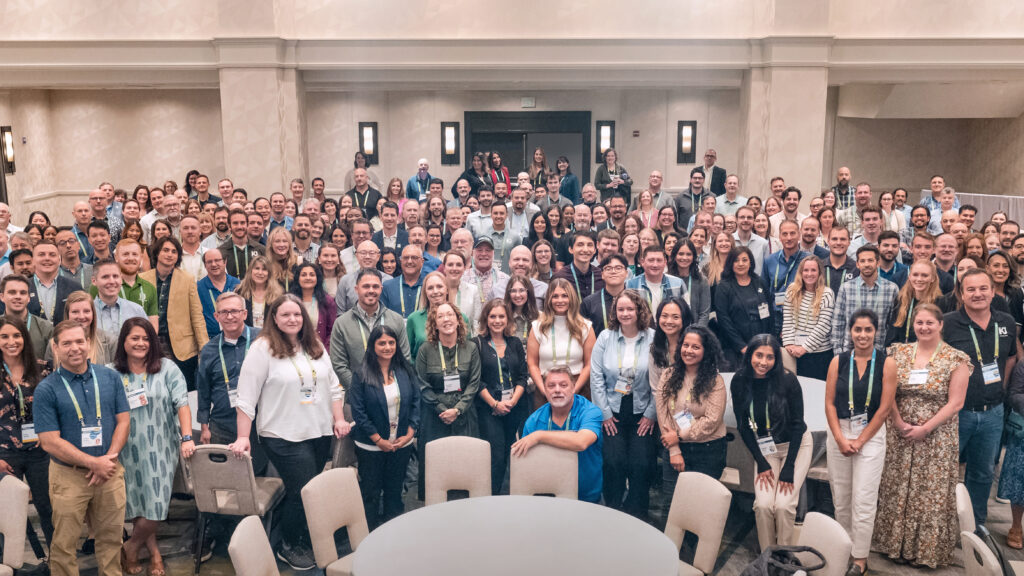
(704,457)
(34,467)
(814,364)
(221,435)
(500,433)
(188,368)
(627,458)
(382,473)
(297,463)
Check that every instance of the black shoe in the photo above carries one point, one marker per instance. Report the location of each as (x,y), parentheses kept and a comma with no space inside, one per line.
(298,557)
(855,570)
(41,569)
(89,547)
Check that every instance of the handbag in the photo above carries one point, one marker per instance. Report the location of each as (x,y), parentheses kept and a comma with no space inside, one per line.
(1015,425)
(782,561)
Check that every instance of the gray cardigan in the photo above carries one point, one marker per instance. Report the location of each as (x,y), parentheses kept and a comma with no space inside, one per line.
(699,299)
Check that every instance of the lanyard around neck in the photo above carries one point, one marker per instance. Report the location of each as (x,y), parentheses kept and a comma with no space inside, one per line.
(96,391)
(871,379)
(220,350)
(977,349)
(440,352)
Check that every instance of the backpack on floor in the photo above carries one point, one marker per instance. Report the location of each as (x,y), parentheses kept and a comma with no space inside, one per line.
(782,561)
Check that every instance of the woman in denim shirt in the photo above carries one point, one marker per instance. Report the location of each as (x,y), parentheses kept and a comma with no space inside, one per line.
(621,390)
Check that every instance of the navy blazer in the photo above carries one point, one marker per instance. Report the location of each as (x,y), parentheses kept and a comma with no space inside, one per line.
(400,243)
(65,286)
(370,407)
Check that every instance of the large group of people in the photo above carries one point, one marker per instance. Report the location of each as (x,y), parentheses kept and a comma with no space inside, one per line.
(523,309)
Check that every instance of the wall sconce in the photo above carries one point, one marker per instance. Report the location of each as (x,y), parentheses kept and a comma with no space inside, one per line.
(605,137)
(368,142)
(686,142)
(449,143)
(7,143)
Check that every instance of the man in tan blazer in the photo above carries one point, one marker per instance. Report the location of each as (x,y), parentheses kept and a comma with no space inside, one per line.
(182,328)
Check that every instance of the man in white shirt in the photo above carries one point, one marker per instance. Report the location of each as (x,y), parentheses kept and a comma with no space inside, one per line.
(520,212)
(731,201)
(156,199)
(745,236)
(483,274)
(191,249)
(790,203)
(5,219)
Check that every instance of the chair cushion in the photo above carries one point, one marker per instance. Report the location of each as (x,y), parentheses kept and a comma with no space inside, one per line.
(731,478)
(341,566)
(687,570)
(269,491)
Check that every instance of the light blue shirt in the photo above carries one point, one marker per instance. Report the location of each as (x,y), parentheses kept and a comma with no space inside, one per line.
(605,363)
(724,206)
(111,317)
(208,294)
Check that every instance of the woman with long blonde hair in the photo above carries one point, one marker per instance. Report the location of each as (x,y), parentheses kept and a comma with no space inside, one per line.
(281,256)
(922,287)
(560,336)
(435,291)
(259,289)
(80,308)
(720,248)
(807,319)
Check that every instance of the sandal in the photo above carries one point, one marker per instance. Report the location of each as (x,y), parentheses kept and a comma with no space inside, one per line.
(1015,539)
(156,568)
(132,569)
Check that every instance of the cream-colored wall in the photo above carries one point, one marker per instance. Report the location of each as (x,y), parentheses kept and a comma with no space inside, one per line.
(996,161)
(892,153)
(410,124)
(76,139)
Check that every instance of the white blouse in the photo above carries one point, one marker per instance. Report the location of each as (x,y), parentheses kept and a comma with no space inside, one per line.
(566,350)
(468,301)
(273,385)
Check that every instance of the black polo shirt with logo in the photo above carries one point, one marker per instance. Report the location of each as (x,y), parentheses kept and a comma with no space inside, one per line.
(956,331)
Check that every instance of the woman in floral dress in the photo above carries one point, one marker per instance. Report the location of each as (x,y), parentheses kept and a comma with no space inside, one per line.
(916,519)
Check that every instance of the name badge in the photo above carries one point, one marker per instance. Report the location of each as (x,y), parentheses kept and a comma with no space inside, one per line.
(452,383)
(623,385)
(684,420)
(762,310)
(28,434)
(918,377)
(506,395)
(990,372)
(767,446)
(713,316)
(233,398)
(780,299)
(92,436)
(137,399)
(857,424)
(307,395)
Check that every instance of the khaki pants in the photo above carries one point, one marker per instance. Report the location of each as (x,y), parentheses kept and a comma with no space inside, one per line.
(854,481)
(74,503)
(774,511)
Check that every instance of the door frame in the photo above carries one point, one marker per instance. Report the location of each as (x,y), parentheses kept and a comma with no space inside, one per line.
(572,122)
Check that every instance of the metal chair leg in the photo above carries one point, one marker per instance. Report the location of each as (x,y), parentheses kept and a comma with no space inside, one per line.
(200,536)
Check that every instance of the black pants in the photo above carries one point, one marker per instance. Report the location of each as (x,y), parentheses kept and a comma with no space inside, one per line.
(500,433)
(382,472)
(34,467)
(627,457)
(814,364)
(704,457)
(221,435)
(188,368)
(297,463)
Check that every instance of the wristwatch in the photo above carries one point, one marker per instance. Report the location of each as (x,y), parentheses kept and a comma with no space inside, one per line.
(186,438)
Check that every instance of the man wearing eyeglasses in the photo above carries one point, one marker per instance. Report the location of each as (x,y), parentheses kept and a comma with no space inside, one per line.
(714,175)
(402,294)
(367,254)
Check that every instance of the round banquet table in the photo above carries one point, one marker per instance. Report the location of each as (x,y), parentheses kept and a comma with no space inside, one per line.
(516,535)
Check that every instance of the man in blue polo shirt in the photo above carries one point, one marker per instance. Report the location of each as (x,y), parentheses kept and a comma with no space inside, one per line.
(570,422)
(81,417)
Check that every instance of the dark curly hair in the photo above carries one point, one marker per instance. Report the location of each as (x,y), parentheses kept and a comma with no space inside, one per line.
(707,370)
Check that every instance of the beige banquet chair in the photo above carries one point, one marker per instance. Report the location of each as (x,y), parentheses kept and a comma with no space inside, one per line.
(700,504)
(224,484)
(250,550)
(978,559)
(332,500)
(545,470)
(964,511)
(457,463)
(830,539)
(14,504)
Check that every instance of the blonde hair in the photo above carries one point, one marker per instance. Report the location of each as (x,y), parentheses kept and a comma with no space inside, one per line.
(795,292)
(573,321)
(906,295)
(424,302)
(90,329)
(282,273)
(716,262)
(248,285)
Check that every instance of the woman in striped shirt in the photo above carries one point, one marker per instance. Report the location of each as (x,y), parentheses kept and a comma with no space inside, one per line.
(807,320)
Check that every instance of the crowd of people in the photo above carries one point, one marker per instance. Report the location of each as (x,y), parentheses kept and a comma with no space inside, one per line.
(522,309)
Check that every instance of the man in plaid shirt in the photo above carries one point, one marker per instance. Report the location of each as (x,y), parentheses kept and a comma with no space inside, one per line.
(866,291)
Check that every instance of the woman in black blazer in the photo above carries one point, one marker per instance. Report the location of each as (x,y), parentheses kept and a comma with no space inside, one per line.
(743,306)
(385,400)
(502,385)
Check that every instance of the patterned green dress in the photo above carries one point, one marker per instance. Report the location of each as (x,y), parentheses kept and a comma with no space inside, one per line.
(150,457)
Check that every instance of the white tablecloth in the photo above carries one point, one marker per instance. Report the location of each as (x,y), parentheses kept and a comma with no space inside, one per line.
(814,403)
(516,535)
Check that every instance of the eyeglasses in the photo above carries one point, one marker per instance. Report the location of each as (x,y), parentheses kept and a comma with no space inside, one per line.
(230,313)
(411,258)
(367,252)
(65,243)
(614,269)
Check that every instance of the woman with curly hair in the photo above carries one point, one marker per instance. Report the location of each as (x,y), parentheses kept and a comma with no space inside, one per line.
(448,364)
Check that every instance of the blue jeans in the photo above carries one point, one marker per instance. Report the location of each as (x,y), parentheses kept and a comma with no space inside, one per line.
(980,433)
